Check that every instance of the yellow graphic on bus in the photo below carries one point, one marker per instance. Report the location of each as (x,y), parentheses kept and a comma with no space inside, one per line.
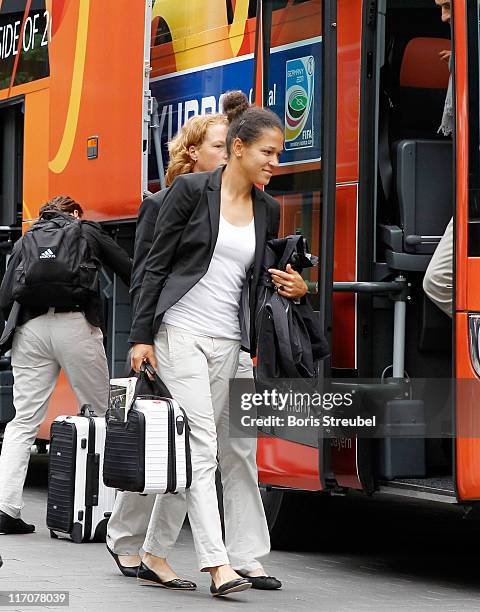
(191,24)
(59,162)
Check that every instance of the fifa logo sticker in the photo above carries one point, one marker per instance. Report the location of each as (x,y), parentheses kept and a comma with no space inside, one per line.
(299,96)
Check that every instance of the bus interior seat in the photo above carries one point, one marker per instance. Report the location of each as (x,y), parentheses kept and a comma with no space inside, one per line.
(420,89)
(421,160)
(423,182)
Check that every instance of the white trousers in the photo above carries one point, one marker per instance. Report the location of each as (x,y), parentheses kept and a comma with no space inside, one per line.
(41,348)
(131,514)
(128,522)
(438,279)
(197,370)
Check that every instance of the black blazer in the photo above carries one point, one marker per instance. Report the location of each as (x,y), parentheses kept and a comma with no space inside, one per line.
(185,237)
(144,233)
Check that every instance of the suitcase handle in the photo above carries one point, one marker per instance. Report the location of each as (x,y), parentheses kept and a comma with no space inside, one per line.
(147,367)
(86,410)
(93,479)
(148,386)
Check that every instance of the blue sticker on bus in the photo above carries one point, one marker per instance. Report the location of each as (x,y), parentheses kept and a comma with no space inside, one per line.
(294,94)
(299,103)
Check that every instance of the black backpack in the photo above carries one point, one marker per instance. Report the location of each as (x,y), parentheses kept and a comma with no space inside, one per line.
(56,266)
(290,341)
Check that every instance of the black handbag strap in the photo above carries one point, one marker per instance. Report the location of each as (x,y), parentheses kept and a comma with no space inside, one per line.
(149,383)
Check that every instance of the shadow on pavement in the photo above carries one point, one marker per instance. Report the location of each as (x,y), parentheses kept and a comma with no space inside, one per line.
(395,537)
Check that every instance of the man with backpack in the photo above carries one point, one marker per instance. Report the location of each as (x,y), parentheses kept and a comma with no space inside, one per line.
(51,288)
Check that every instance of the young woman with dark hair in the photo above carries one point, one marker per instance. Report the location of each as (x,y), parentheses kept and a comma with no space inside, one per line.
(189,324)
(199,146)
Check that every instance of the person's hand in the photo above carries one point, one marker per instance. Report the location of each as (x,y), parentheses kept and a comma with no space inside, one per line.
(445,55)
(141,353)
(289,284)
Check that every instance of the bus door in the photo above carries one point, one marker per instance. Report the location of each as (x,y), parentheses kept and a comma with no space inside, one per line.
(467,280)
(11,179)
(295,75)
(403,356)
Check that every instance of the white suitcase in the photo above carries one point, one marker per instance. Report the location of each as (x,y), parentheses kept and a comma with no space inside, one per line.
(78,504)
(150,451)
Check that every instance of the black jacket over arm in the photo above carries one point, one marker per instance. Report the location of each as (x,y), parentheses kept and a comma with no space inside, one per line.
(147,218)
(105,249)
(185,237)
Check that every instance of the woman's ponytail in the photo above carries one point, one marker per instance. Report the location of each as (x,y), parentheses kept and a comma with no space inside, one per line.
(234,104)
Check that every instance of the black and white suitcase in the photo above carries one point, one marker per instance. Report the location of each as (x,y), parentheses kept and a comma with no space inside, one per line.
(150,451)
(78,505)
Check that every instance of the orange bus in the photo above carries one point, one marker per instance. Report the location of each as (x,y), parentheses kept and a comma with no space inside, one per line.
(90,92)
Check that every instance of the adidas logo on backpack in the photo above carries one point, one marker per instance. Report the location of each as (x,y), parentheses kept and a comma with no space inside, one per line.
(47,254)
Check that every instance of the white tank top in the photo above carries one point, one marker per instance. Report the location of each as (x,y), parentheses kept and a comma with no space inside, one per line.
(211,306)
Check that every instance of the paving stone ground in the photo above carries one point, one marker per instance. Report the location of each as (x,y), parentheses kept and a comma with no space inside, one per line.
(374,555)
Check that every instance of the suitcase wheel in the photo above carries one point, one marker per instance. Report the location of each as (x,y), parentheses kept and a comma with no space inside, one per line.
(53,535)
(77,533)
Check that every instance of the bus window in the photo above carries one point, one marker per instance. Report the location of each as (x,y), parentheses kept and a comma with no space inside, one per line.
(31,61)
(189,76)
(295,94)
(474,138)
(11,164)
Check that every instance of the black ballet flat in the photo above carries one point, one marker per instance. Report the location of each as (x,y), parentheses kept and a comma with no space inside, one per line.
(10,525)
(232,586)
(262,583)
(129,572)
(150,578)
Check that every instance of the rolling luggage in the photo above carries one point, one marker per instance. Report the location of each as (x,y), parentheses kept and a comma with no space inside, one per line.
(78,505)
(149,452)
